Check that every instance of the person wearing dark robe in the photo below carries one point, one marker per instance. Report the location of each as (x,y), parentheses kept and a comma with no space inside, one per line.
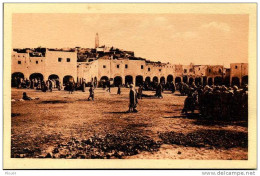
(159,91)
(59,85)
(108,85)
(140,92)
(50,85)
(173,87)
(71,87)
(83,85)
(18,83)
(104,85)
(118,90)
(132,99)
(189,104)
(44,87)
(91,93)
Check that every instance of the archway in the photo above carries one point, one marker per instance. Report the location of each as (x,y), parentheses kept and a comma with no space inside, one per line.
(128,79)
(210,81)
(244,80)
(139,80)
(118,81)
(67,79)
(37,76)
(162,80)
(16,78)
(191,80)
(104,78)
(235,81)
(155,79)
(185,79)
(198,81)
(218,80)
(103,81)
(54,77)
(226,81)
(148,79)
(169,78)
(177,80)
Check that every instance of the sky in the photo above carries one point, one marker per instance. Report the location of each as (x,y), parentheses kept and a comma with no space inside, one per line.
(175,38)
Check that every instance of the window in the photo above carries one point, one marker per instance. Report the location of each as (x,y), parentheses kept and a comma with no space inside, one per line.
(59,59)
(185,70)
(41,60)
(160,69)
(126,66)
(142,67)
(219,70)
(19,62)
(149,69)
(68,59)
(36,62)
(235,67)
(117,66)
(199,68)
(209,70)
(104,66)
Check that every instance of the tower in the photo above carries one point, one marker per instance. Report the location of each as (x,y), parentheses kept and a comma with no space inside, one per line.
(96,41)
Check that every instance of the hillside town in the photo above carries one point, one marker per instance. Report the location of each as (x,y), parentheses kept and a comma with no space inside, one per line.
(119,67)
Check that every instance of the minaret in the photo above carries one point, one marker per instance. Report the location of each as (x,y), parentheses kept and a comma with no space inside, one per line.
(96,41)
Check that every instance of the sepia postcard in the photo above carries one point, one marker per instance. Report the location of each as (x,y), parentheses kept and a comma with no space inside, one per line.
(130,86)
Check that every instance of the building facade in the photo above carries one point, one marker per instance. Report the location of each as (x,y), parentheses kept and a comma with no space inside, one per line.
(118,66)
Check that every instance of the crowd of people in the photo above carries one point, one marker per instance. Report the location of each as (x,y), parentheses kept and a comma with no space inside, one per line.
(215,102)
(37,83)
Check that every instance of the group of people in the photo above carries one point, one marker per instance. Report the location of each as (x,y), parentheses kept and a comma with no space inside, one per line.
(216,102)
(211,101)
(37,83)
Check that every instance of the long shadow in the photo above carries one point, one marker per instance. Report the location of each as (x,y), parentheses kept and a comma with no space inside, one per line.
(186,116)
(208,122)
(201,120)
(54,102)
(179,95)
(119,112)
(149,96)
(82,100)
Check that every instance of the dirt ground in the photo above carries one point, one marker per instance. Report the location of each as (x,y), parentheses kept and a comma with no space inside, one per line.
(59,120)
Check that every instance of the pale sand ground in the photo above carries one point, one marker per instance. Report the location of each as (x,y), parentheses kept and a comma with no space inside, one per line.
(42,126)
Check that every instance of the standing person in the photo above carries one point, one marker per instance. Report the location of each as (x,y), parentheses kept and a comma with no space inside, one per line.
(71,86)
(140,92)
(44,87)
(108,85)
(50,85)
(159,91)
(132,99)
(83,85)
(118,90)
(104,85)
(173,87)
(32,83)
(58,85)
(91,93)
